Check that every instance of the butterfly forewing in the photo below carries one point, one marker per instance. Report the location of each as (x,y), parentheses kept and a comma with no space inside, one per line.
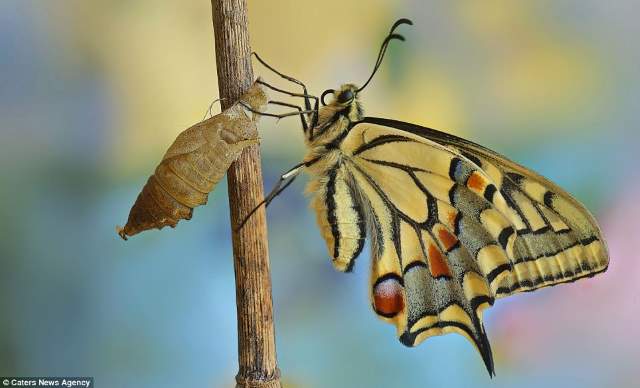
(546,236)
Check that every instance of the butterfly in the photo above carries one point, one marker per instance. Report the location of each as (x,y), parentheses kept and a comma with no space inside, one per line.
(452,225)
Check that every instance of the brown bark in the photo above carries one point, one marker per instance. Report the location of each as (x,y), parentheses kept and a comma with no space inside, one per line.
(256,339)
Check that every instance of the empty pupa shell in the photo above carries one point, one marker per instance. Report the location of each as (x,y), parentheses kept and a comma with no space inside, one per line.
(193,165)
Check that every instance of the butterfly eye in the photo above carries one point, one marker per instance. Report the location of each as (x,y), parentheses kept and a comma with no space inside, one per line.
(328,91)
(345,96)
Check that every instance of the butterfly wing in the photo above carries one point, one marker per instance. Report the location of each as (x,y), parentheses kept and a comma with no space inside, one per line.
(452,226)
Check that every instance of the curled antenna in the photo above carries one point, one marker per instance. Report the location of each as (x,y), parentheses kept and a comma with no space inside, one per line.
(384,46)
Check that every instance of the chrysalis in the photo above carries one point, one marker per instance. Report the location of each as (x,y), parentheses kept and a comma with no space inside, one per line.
(195,163)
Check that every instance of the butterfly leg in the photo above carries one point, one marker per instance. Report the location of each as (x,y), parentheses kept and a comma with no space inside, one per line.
(279,116)
(307,103)
(288,93)
(283,182)
(313,116)
(305,125)
(307,96)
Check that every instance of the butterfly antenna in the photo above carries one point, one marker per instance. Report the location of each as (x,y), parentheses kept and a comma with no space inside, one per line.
(383,48)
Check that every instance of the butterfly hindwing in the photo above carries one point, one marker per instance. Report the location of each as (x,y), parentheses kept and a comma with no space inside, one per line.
(441,286)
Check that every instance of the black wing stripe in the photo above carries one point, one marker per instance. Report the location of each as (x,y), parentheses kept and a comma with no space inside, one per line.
(393,211)
(504,236)
(330,202)
(537,281)
(384,139)
(489,192)
(480,338)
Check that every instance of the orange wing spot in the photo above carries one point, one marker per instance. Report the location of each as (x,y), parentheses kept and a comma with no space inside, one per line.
(447,238)
(451,217)
(388,298)
(437,264)
(476,181)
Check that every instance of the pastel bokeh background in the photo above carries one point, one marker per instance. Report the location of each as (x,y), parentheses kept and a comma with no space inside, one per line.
(92,93)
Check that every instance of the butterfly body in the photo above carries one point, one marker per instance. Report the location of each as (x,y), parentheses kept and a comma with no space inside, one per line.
(328,165)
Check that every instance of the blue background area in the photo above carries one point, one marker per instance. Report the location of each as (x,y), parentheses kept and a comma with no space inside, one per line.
(88,92)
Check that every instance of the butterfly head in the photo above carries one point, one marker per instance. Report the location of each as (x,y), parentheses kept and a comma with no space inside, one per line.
(345,100)
(345,106)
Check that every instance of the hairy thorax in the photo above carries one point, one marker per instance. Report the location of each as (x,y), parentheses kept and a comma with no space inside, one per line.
(323,148)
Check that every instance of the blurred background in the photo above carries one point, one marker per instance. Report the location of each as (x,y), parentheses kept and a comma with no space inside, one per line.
(92,94)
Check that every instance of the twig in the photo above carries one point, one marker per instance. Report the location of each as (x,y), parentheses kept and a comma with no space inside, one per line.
(256,339)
